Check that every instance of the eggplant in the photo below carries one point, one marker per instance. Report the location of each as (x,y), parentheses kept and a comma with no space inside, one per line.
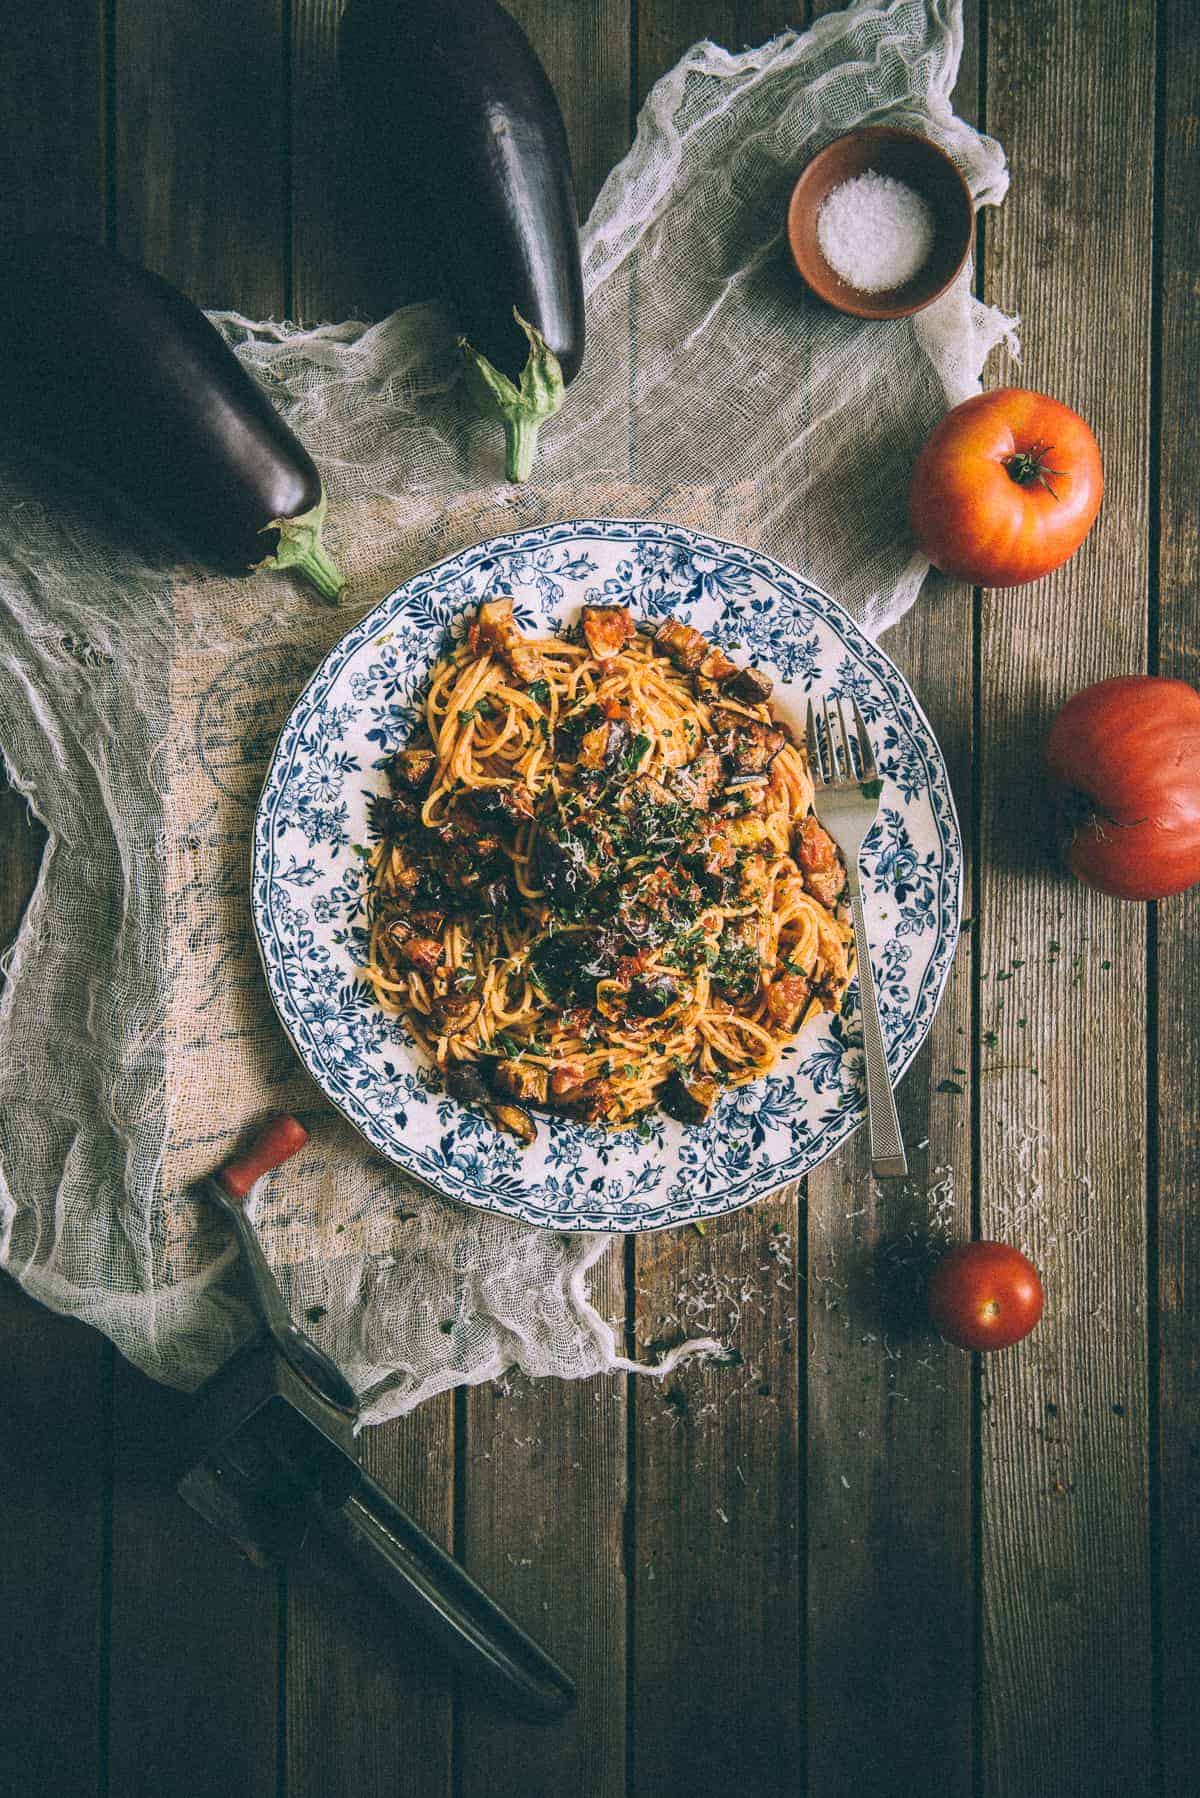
(113,370)
(459,116)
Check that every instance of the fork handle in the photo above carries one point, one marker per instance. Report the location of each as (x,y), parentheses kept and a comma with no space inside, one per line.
(887,1146)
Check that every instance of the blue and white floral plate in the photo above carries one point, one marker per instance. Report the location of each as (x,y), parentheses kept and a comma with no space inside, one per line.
(310,842)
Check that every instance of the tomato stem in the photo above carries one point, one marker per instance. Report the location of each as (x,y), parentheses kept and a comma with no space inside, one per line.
(1026,467)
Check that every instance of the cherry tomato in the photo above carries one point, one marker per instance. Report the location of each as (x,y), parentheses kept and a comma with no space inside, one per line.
(1125,759)
(985,1295)
(1006,488)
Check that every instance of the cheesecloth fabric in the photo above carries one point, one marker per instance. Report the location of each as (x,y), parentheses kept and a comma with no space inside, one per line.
(139,701)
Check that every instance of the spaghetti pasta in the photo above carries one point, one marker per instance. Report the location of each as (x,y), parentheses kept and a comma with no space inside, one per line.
(598,884)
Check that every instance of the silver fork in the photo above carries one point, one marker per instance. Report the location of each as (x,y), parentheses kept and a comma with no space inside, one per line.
(846,800)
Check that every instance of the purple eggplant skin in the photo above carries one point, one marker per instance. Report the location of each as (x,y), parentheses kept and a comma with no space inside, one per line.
(113,370)
(459,115)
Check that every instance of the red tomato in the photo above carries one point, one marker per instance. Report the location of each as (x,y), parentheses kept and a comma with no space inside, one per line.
(985,1295)
(1006,488)
(1125,758)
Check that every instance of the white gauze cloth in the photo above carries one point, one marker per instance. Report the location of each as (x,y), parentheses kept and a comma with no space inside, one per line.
(139,702)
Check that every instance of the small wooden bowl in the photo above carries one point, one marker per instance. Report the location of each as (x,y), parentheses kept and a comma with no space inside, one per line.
(907,157)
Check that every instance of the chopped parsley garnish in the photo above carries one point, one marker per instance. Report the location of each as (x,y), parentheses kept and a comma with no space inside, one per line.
(636,751)
(539,692)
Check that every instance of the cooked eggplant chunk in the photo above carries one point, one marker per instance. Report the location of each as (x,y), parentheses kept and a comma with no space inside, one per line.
(746,745)
(413,768)
(498,629)
(523,1080)
(699,779)
(685,646)
(690,1101)
(516,1121)
(650,995)
(716,667)
(465,1083)
(508,805)
(748,685)
(606,630)
(817,854)
(787,1000)
(421,953)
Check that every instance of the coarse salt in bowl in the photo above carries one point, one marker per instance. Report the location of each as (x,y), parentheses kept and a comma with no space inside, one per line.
(875,232)
(880,222)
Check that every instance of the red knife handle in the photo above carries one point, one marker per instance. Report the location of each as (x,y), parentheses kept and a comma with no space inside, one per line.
(281,1138)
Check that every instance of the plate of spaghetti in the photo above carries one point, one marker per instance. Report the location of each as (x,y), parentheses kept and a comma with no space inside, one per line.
(540,893)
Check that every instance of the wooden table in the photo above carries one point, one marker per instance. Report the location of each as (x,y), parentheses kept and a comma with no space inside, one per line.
(857,1564)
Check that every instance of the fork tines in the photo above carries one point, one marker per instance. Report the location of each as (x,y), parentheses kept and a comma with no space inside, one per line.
(840,756)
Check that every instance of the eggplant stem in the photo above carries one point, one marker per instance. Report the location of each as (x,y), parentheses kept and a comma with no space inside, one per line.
(520,446)
(300,547)
(521,409)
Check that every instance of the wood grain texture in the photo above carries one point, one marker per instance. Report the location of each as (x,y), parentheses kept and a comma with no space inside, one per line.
(891,1653)
(545,1511)
(1062,1096)
(54,1438)
(666,28)
(718,1520)
(368,1709)
(55,1388)
(1178,925)
(200,154)
(716,1499)
(891,1628)
(194,1653)
(195,1630)
(52,113)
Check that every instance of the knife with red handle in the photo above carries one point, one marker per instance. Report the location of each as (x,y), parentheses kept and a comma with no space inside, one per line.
(425,1584)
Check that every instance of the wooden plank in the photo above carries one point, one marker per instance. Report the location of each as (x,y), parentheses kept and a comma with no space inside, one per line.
(545,1485)
(716,1568)
(200,156)
(199,190)
(715,1688)
(52,121)
(1178,972)
(891,1649)
(545,1511)
(666,28)
(54,1439)
(1062,1149)
(54,1400)
(890,1659)
(367,1710)
(194,1657)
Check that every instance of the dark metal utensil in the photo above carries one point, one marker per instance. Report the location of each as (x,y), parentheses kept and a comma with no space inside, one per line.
(228,1188)
(269,1454)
